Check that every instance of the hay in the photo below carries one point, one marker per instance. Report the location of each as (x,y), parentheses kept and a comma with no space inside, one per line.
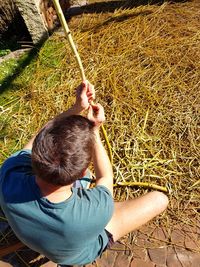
(145,65)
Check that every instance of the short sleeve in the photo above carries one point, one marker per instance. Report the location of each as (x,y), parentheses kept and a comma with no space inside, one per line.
(93,209)
(17,162)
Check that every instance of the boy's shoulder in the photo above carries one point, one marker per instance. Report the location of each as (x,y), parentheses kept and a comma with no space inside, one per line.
(17,163)
(98,196)
(18,158)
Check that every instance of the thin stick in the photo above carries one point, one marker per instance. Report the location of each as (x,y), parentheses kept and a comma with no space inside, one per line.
(140,184)
(107,144)
(69,37)
(143,184)
(78,59)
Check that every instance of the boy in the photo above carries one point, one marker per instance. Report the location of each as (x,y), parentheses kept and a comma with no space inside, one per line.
(70,226)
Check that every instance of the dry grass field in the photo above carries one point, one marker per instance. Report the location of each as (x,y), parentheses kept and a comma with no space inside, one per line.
(145,64)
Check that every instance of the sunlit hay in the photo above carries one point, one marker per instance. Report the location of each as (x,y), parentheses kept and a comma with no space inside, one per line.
(145,65)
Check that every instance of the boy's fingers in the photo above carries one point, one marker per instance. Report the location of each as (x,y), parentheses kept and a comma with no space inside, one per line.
(91,88)
(84,86)
(99,106)
(90,112)
(84,83)
(95,107)
(96,114)
(89,94)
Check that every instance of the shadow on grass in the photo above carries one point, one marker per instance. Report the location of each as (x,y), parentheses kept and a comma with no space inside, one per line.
(99,7)
(122,18)
(7,82)
(111,6)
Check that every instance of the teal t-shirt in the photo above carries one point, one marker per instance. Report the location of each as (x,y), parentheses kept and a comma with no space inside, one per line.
(70,232)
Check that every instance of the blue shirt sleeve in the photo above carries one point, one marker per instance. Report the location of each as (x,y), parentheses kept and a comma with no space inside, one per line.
(93,209)
(18,162)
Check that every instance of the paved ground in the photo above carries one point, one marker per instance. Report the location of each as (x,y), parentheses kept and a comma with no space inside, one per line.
(154,247)
(148,247)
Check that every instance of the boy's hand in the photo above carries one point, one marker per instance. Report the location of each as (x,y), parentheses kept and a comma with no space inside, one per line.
(85,94)
(96,114)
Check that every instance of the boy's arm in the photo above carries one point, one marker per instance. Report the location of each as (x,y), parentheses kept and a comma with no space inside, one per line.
(84,95)
(102,166)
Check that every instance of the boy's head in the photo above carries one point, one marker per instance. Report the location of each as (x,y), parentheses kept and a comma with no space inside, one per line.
(63,149)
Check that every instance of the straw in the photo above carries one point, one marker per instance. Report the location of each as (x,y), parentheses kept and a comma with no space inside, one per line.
(145,64)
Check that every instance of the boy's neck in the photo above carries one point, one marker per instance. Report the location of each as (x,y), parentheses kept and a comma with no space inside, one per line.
(53,193)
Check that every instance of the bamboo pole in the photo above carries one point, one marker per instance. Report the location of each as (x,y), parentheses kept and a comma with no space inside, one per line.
(143,184)
(79,62)
(69,37)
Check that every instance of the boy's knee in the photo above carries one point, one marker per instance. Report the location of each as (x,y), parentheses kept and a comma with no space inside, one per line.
(161,200)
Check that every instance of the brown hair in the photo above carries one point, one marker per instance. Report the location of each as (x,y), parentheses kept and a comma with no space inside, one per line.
(63,149)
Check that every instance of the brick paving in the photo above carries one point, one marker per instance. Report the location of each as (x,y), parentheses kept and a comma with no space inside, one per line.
(148,247)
